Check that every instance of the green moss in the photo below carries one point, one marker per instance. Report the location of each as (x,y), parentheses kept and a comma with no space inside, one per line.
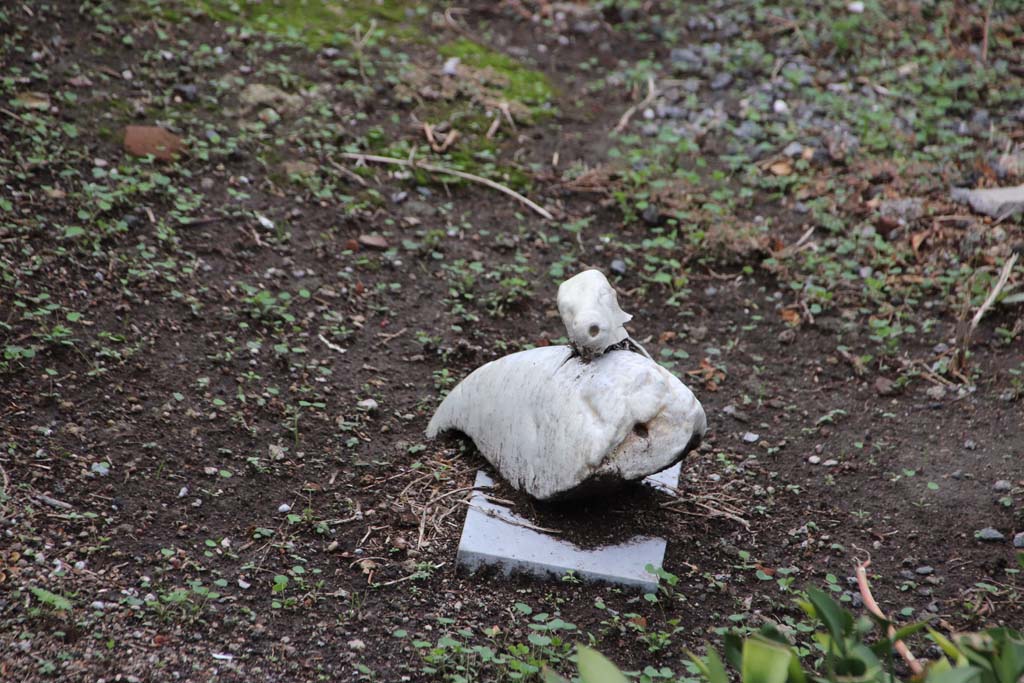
(311,22)
(524,85)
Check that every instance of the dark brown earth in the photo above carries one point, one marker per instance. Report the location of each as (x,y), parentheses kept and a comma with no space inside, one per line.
(148,452)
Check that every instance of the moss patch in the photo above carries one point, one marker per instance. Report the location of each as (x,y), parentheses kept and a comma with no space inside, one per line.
(311,22)
(524,85)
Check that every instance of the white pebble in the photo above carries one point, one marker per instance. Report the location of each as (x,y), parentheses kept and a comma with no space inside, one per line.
(856,7)
(780,107)
(284,507)
(451,66)
(814,460)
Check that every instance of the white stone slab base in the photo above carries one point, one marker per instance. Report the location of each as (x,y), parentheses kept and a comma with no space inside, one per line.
(493,535)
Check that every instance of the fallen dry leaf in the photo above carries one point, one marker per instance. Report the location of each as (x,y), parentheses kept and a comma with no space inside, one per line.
(917,239)
(783,167)
(160,142)
(33,100)
(373,242)
(790,315)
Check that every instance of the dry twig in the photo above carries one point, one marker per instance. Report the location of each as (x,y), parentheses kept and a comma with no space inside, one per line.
(963,341)
(652,92)
(872,606)
(432,168)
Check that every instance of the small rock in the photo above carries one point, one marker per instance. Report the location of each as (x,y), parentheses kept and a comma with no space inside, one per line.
(1010,164)
(367,404)
(618,266)
(885,386)
(651,214)
(814,460)
(793,149)
(903,210)
(970,445)
(265,222)
(735,413)
(299,168)
(284,507)
(999,202)
(1002,486)
(856,7)
(100,468)
(787,336)
(751,437)
(258,95)
(936,392)
(187,91)
(989,534)
(721,81)
(924,570)
(1018,540)
(373,242)
(780,107)
(356,645)
(685,60)
(830,463)
(451,66)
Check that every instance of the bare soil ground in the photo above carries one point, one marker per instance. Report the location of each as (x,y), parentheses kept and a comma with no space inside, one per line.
(195,486)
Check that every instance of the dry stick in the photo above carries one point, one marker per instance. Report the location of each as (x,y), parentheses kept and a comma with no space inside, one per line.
(984,35)
(652,92)
(452,172)
(1004,276)
(331,345)
(967,331)
(869,602)
(349,174)
(426,509)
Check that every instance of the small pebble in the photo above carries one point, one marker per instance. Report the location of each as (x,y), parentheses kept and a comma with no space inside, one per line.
(780,107)
(618,266)
(367,404)
(925,570)
(721,81)
(830,463)
(793,149)
(989,534)
(356,645)
(1002,486)
(856,7)
(451,66)
(751,437)
(970,445)
(284,507)
(814,460)
(1018,540)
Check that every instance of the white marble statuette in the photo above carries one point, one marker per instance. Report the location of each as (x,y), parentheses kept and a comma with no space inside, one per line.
(560,421)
